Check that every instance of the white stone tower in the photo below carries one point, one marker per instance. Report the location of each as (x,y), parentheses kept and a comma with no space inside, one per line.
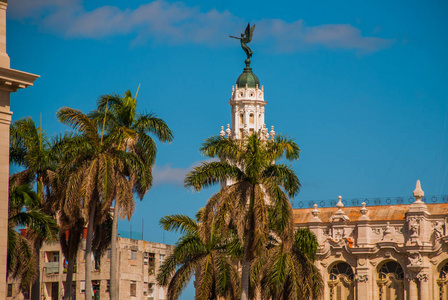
(247,107)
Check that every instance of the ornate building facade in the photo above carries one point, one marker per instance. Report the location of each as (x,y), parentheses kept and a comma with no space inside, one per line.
(381,252)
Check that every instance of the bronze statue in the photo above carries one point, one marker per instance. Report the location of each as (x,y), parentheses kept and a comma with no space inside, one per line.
(245,38)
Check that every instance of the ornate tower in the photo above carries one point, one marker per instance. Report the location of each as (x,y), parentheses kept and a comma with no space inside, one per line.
(247,107)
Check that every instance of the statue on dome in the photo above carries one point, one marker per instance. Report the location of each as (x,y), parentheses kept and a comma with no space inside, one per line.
(245,39)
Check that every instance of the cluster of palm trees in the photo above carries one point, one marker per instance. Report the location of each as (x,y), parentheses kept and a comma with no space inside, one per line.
(78,177)
(243,244)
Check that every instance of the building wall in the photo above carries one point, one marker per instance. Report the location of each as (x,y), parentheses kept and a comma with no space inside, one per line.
(134,264)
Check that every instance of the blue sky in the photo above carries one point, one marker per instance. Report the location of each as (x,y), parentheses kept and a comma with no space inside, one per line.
(361,85)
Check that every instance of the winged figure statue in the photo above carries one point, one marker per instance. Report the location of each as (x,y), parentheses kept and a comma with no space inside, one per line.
(245,39)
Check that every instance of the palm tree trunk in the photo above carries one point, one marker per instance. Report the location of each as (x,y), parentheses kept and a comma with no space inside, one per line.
(35,288)
(89,239)
(245,280)
(113,255)
(247,255)
(69,278)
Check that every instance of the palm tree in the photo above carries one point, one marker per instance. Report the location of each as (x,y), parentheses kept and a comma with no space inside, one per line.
(119,114)
(256,200)
(199,252)
(22,259)
(288,271)
(99,172)
(33,150)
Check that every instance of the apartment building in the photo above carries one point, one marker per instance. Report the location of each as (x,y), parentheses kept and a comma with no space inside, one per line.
(138,262)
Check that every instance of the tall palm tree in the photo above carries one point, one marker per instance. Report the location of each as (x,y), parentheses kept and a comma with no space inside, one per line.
(256,200)
(33,150)
(99,172)
(22,259)
(287,271)
(198,253)
(121,119)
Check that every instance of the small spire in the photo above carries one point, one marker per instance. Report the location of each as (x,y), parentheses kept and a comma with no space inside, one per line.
(222,133)
(418,192)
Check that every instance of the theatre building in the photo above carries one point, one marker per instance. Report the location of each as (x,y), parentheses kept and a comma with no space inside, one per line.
(381,252)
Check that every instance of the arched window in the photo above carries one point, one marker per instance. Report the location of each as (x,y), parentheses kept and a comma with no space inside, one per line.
(341,282)
(241,118)
(442,282)
(390,281)
(251,119)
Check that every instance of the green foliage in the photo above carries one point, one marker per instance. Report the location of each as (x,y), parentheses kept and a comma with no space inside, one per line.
(201,253)
(25,211)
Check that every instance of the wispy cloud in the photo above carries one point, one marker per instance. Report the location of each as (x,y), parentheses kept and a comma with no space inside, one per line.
(167,174)
(177,23)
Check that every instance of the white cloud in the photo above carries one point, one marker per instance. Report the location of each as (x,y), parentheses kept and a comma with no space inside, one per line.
(167,174)
(177,23)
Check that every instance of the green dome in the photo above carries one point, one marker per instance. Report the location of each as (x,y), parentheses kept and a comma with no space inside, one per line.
(248,77)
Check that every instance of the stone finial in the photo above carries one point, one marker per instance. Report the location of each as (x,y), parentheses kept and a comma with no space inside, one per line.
(272,133)
(228,131)
(340,204)
(315,212)
(418,192)
(364,212)
(256,86)
(339,215)
(222,133)
(233,88)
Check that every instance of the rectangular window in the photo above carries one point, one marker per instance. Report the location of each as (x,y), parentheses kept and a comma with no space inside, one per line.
(82,287)
(145,258)
(151,263)
(96,289)
(108,253)
(108,286)
(97,261)
(133,289)
(9,290)
(56,256)
(162,258)
(133,254)
(150,289)
(145,288)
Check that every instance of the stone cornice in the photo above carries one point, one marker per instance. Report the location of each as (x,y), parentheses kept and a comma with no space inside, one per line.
(12,80)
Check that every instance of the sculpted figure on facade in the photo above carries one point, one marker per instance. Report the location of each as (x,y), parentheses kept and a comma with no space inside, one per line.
(438,229)
(414,226)
(415,259)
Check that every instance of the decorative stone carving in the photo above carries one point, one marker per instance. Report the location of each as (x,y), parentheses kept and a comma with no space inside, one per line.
(422,277)
(438,229)
(377,230)
(362,278)
(415,259)
(387,233)
(338,234)
(414,226)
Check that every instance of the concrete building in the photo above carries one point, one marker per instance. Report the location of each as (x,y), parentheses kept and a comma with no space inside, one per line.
(10,81)
(381,252)
(138,262)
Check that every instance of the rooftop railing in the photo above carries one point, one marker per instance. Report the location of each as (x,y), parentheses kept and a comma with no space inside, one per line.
(369,201)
